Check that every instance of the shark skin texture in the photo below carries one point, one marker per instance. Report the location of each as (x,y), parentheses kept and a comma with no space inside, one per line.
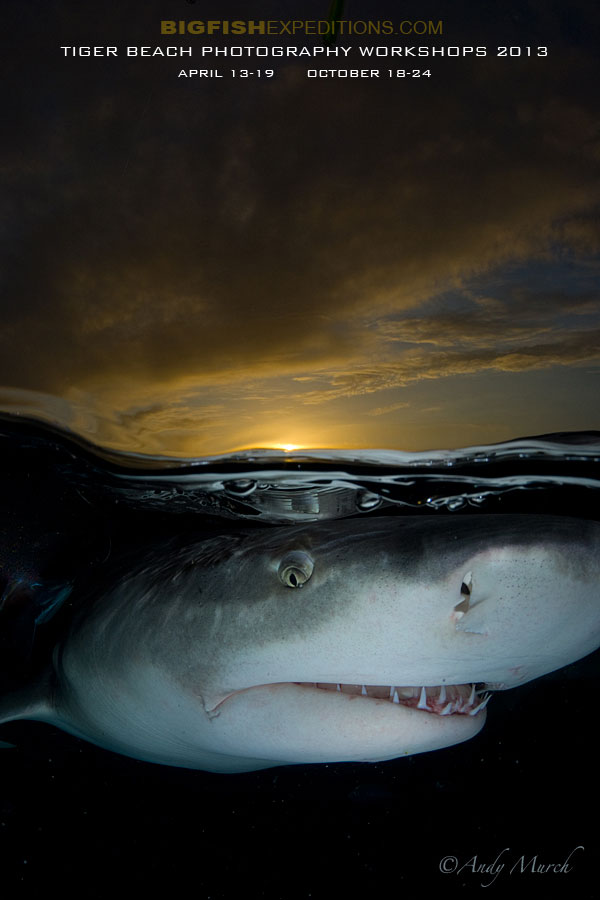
(348,640)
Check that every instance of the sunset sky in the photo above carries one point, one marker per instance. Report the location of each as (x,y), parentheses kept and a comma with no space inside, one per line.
(197,265)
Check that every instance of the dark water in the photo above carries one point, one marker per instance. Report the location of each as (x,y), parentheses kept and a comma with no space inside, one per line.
(72,813)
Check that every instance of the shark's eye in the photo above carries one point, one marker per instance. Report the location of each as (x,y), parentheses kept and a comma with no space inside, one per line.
(295,569)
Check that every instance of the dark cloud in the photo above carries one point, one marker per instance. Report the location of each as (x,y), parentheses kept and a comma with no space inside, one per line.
(168,237)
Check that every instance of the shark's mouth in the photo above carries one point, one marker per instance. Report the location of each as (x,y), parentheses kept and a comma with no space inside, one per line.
(445,700)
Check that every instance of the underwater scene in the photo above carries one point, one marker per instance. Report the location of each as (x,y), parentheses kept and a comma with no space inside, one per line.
(228,649)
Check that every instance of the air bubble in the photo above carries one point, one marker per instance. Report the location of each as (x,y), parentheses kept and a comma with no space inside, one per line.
(241,487)
(366,500)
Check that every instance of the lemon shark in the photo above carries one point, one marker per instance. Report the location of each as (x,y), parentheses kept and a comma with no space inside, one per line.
(350,640)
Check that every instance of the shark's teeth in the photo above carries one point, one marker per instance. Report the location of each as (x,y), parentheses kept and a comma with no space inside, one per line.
(422,704)
(445,700)
(482,705)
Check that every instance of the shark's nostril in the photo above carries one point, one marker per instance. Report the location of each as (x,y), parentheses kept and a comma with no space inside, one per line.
(465,590)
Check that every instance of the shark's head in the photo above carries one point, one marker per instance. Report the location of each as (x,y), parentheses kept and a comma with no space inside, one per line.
(349,640)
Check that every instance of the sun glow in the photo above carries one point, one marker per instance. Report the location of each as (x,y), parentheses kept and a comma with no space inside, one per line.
(272,445)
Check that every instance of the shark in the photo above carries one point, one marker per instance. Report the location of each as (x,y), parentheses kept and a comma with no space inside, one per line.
(350,640)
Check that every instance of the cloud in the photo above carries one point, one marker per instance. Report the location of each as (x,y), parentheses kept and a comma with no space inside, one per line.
(421,364)
(384,410)
(163,242)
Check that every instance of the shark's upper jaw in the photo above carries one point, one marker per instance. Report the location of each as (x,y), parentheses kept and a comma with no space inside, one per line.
(445,700)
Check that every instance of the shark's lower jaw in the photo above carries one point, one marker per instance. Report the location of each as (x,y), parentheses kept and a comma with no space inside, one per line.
(446,700)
